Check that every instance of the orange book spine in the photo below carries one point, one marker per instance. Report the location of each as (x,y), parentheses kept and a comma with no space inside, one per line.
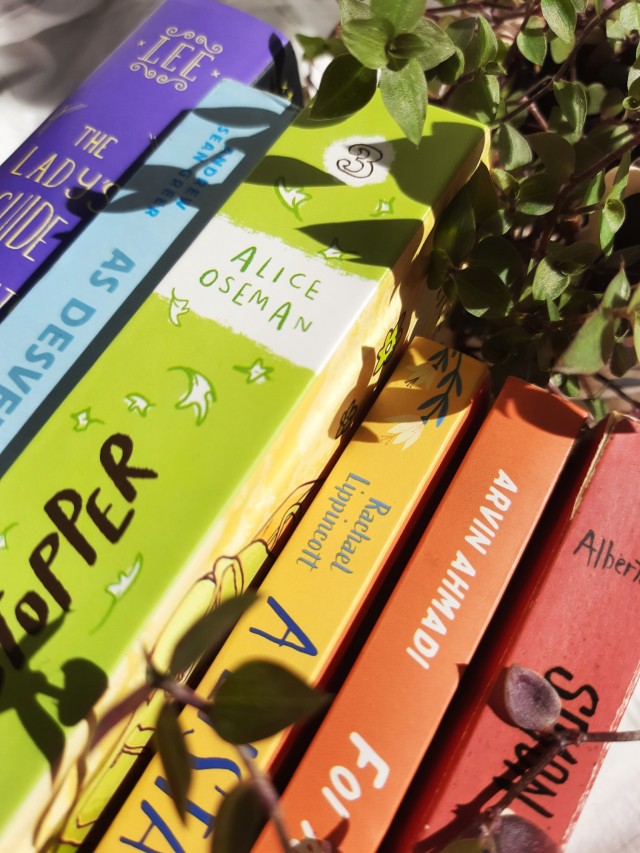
(358,767)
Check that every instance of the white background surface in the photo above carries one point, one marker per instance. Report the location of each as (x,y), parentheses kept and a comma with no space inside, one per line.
(46,46)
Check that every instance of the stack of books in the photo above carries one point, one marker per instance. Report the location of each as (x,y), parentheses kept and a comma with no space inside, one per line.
(216,371)
(177,379)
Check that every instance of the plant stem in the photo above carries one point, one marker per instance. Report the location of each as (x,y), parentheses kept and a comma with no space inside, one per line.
(268,795)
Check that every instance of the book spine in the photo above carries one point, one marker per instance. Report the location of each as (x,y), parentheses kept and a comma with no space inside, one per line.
(317,591)
(69,167)
(78,306)
(354,774)
(573,618)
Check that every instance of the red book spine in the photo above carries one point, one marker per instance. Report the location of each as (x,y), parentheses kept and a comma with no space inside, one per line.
(574,618)
(356,771)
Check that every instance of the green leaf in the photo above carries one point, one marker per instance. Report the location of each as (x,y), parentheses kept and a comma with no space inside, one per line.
(456,230)
(532,42)
(482,293)
(556,153)
(174,756)
(482,48)
(314,46)
(404,93)
(461,31)
(478,97)
(482,194)
(559,49)
(351,10)
(367,41)
(451,69)
(239,820)
(591,191)
(259,699)
(596,94)
(591,347)
(611,220)
(612,103)
(438,269)
(574,258)
(572,100)
(505,182)
(513,148)
(548,282)
(435,46)
(621,177)
(561,17)
(630,16)
(636,331)
(618,291)
(404,16)
(346,86)
(537,194)
(501,256)
(623,358)
(208,632)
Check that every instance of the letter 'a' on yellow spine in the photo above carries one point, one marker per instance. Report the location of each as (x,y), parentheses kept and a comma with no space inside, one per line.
(318,589)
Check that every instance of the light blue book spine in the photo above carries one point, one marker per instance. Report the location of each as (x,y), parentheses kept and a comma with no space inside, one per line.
(68,317)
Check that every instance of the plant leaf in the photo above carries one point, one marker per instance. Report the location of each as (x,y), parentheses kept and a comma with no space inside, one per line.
(629,16)
(548,281)
(636,332)
(574,258)
(618,291)
(483,47)
(239,820)
(531,701)
(532,42)
(174,756)
(353,10)
(537,194)
(611,220)
(478,97)
(209,631)
(513,148)
(556,153)
(561,17)
(435,45)
(404,16)
(346,86)
(259,699)
(515,834)
(591,347)
(623,358)
(501,256)
(404,93)
(456,229)
(573,102)
(481,292)
(367,41)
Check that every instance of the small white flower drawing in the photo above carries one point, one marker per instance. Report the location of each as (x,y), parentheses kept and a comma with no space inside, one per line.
(407,430)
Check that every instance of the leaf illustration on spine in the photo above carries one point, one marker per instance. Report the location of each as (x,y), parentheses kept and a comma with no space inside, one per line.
(438,405)
(4,545)
(118,588)
(177,307)
(200,394)
(291,197)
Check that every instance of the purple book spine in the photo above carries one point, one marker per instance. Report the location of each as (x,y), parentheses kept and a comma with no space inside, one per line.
(66,170)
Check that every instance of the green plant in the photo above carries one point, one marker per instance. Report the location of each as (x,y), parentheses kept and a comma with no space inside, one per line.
(533,256)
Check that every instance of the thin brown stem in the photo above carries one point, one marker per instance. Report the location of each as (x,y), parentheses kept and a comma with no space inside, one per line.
(268,796)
